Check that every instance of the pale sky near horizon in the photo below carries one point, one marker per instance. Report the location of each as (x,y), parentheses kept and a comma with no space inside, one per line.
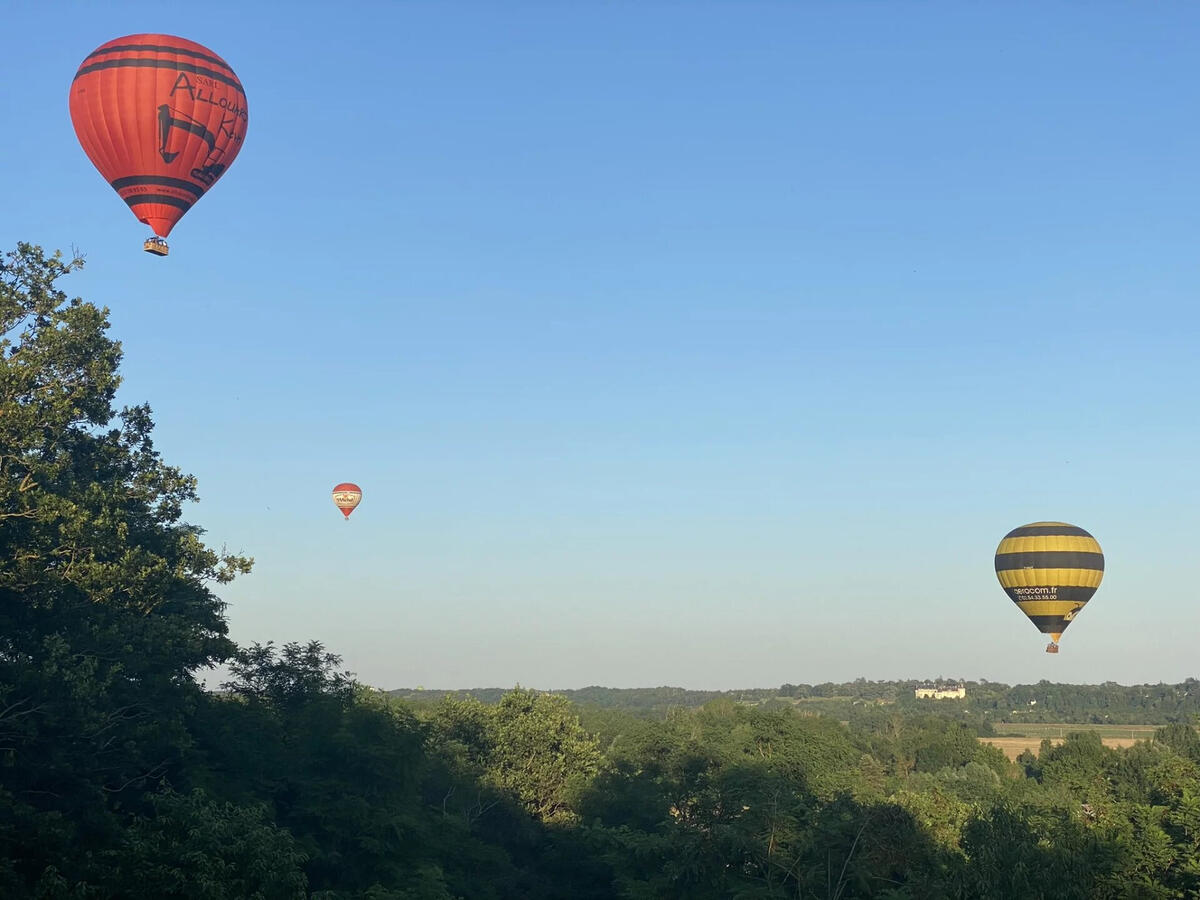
(713,345)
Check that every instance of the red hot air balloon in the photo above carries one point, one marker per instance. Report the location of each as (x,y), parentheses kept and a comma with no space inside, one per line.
(162,118)
(347,496)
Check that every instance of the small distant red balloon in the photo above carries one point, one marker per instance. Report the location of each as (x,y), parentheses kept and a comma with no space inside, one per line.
(346,496)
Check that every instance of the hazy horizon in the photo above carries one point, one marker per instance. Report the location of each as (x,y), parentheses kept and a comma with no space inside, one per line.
(932,679)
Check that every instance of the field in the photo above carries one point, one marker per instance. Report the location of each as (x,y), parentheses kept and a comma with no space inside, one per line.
(1039,730)
(1014,737)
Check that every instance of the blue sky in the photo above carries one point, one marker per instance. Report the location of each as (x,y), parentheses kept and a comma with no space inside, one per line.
(710,344)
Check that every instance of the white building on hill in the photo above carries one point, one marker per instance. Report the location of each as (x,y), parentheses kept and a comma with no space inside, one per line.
(941,692)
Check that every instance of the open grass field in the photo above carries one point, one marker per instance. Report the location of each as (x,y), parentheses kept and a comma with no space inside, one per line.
(1015,737)
(1015,746)
(1040,730)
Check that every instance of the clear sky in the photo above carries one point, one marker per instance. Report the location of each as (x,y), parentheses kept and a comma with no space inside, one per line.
(703,344)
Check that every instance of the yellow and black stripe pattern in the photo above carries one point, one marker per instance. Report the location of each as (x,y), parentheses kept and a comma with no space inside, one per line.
(1050,570)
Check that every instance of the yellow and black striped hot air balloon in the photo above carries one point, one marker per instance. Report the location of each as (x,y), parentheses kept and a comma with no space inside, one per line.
(1050,570)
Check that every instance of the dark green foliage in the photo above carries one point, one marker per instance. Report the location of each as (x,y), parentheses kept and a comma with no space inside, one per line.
(862,701)
(1079,763)
(105,609)
(1181,738)
(1036,853)
(193,848)
(949,745)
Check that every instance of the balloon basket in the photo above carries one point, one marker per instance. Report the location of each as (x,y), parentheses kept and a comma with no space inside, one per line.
(1052,647)
(156,245)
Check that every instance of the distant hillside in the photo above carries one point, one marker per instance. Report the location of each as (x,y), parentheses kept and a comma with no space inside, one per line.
(650,699)
(1140,704)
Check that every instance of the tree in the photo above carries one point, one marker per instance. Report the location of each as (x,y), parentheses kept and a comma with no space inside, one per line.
(530,746)
(1028,852)
(291,677)
(106,607)
(1181,738)
(193,848)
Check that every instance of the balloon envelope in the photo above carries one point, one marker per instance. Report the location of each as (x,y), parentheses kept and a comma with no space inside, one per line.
(347,496)
(1050,570)
(162,118)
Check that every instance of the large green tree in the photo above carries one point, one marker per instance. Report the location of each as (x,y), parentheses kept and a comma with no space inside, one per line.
(106,600)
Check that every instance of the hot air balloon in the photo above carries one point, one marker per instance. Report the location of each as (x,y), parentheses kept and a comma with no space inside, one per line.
(347,496)
(162,118)
(1050,570)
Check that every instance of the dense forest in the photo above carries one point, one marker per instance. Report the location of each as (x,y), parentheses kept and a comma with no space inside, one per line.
(986,701)
(121,777)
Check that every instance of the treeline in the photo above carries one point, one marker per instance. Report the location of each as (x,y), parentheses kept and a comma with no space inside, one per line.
(1138,704)
(986,701)
(296,782)
(657,700)
(122,779)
